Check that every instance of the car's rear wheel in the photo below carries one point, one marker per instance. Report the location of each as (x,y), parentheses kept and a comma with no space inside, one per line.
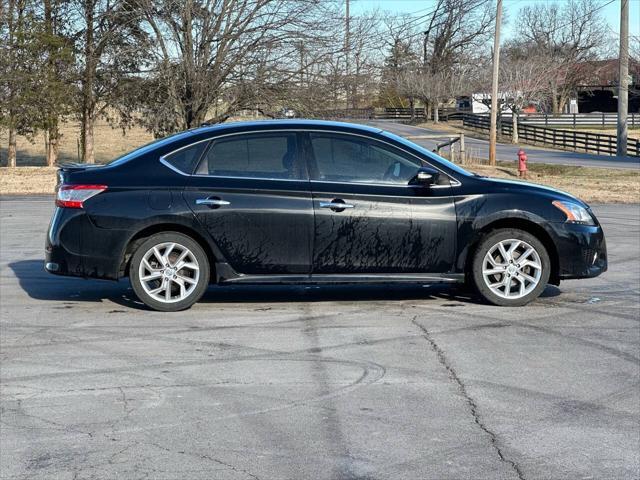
(511,267)
(169,272)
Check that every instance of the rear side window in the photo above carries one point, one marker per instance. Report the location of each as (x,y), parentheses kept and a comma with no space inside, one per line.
(264,155)
(186,158)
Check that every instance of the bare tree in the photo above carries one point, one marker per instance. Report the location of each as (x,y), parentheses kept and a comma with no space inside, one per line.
(209,54)
(567,34)
(523,80)
(110,48)
(440,43)
(455,27)
(365,47)
(396,78)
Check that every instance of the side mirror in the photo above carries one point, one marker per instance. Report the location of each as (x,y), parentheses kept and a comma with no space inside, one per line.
(426,176)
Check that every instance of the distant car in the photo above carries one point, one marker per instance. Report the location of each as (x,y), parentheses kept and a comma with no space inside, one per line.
(288,113)
(294,202)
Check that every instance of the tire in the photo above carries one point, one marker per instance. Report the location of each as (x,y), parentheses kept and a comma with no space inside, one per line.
(151,278)
(506,280)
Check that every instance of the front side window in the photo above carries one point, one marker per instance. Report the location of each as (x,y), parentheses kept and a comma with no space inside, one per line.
(346,158)
(263,155)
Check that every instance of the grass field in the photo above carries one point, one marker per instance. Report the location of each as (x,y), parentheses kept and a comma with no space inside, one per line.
(110,143)
(596,185)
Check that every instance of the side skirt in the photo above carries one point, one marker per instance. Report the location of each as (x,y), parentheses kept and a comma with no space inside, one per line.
(226,275)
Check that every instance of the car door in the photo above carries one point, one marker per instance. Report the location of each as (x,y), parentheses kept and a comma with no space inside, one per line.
(368,219)
(251,193)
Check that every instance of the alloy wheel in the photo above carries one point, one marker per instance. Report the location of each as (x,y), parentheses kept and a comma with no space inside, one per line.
(512,269)
(169,272)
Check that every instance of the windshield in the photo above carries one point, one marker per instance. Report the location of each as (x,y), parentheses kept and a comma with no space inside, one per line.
(428,153)
(147,147)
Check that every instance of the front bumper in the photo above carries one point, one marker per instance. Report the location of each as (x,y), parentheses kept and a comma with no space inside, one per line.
(582,250)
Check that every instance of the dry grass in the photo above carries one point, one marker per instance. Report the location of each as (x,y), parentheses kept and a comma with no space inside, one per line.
(596,185)
(109,143)
(27,180)
(593,185)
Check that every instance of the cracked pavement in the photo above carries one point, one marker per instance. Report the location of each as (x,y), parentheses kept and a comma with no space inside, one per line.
(358,382)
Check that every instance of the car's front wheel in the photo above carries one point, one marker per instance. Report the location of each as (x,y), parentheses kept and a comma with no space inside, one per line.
(169,272)
(511,267)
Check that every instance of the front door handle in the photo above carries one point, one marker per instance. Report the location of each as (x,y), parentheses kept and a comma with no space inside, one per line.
(212,202)
(337,205)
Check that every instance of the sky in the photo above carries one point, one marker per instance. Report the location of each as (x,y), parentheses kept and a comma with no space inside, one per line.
(610,12)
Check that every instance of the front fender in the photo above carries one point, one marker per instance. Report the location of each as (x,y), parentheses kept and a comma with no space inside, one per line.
(479,214)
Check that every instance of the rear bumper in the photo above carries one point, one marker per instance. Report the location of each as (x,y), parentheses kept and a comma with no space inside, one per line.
(582,250)
(76,247)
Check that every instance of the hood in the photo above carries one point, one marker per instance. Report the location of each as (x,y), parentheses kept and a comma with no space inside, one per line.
(517,186)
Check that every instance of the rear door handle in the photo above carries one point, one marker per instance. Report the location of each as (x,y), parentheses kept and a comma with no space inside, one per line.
(212,202)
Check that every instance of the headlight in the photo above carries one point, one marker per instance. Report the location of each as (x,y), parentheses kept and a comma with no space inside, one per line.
(574,212)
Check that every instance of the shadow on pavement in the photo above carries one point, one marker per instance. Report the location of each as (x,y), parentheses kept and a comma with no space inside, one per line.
(39,284)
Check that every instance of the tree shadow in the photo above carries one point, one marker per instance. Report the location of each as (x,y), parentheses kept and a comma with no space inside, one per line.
(40,285)
(25,159)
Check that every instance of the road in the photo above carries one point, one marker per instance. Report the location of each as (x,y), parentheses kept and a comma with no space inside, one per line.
(339,383)
(480,149)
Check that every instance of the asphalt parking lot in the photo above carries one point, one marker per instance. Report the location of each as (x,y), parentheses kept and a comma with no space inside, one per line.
(384,382)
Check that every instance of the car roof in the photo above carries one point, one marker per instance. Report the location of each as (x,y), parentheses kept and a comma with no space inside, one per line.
(284,124)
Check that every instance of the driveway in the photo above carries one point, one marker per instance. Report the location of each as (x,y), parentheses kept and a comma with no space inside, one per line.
(508,152)
(380,382)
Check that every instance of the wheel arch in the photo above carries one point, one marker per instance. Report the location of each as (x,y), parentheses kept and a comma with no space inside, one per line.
(146,232)
(528,226)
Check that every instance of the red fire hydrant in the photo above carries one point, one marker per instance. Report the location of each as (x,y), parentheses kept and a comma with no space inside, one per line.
(522,164)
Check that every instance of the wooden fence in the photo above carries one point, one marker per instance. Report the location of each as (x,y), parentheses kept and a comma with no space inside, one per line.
(401,115)
(597,143)
(577,119)
(419,113)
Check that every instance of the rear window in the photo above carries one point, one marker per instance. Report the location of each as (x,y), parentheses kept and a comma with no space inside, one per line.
(186,159)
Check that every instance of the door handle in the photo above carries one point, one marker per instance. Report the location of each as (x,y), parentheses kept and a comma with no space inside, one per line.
(212,202)
(337,205)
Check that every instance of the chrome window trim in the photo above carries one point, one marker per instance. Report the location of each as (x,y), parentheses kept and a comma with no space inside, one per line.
(453,181)
(395,185)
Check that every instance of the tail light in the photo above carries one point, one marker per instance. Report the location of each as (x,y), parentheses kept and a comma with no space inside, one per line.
(73,196)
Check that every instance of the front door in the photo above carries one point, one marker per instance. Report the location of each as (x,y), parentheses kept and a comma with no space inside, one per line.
(251,193)
(368,219)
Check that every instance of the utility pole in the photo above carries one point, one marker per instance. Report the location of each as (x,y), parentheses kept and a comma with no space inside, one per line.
(301,51)
(623,79)
(346,53)
(494,87)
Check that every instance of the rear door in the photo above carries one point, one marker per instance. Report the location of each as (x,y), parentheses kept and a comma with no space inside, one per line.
(251,193)
(368,219)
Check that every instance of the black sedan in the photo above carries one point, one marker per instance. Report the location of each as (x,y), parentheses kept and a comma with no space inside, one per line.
(311,202)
